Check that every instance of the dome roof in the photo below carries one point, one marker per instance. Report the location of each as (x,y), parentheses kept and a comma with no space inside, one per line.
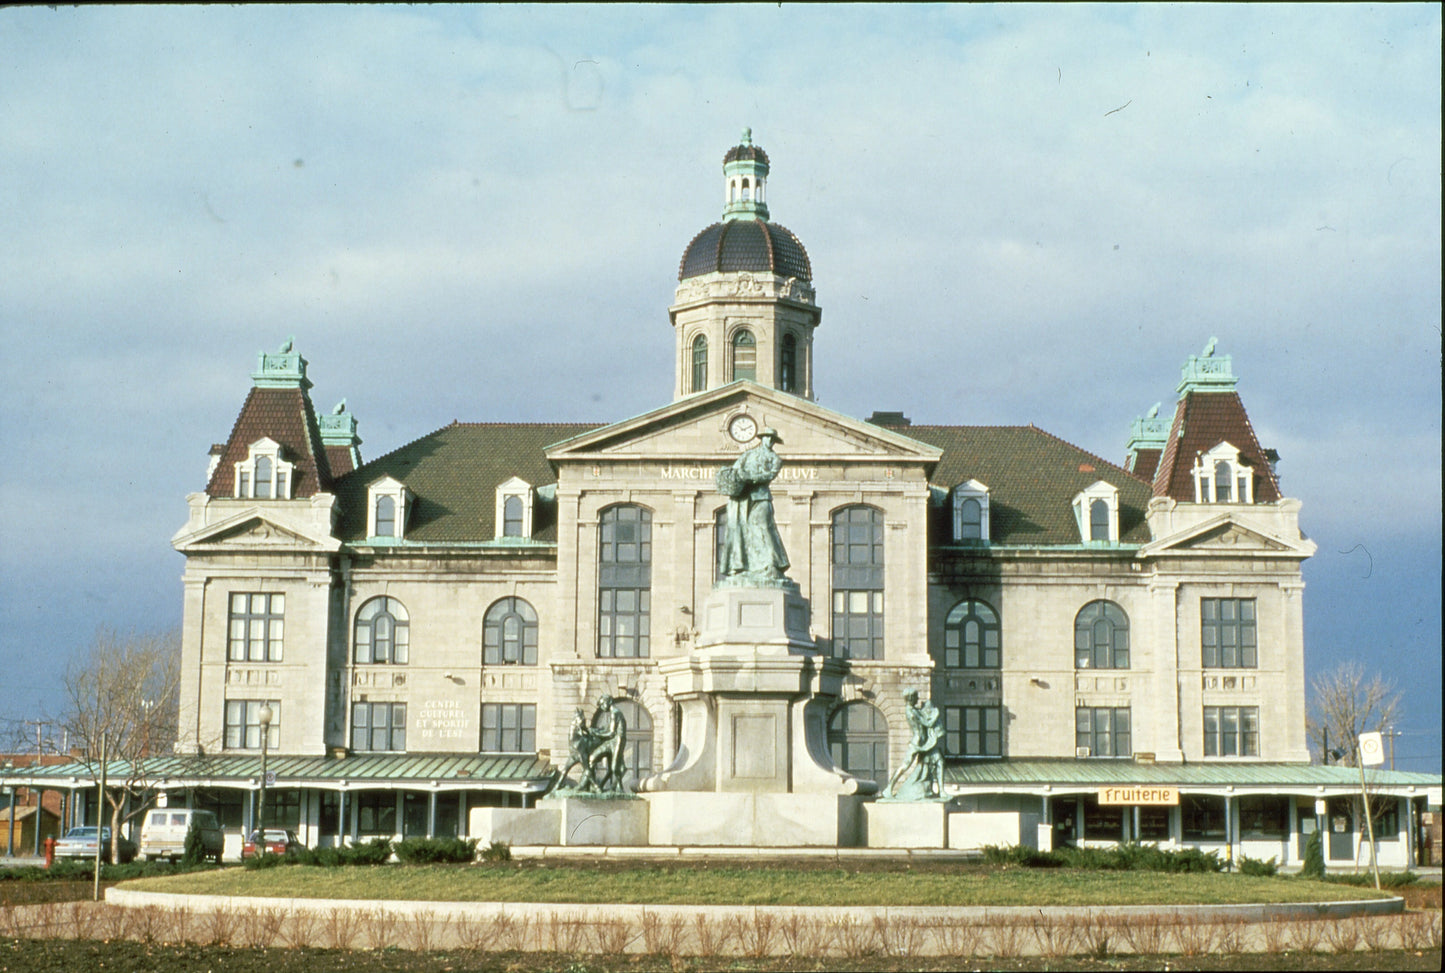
(748,151)
(746,245)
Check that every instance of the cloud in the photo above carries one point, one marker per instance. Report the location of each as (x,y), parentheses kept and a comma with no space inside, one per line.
(1015,213)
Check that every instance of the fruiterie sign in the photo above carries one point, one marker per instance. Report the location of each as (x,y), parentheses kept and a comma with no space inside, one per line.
(1139,795)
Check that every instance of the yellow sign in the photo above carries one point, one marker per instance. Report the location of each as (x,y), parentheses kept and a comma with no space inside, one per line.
(1139,795)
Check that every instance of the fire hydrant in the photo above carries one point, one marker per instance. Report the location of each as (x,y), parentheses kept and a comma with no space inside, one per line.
(49,851)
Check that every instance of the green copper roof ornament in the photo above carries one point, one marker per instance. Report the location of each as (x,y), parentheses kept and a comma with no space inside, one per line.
(339,429)
(1207,373)
(281,369)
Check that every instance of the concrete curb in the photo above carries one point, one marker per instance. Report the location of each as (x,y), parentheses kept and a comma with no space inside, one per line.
(539,912)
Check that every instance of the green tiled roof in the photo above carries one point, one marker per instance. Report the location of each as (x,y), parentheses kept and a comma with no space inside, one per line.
(1074,773)
(453,474)
(357,769)
(1032,479)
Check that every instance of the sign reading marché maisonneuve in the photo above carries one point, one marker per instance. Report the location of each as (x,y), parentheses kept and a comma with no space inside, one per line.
(1139,795)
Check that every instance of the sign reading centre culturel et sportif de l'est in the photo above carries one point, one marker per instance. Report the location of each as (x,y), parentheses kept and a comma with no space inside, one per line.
(1139,795)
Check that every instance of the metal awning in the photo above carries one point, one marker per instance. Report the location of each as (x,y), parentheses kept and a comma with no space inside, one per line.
(1068,776)
(524,773)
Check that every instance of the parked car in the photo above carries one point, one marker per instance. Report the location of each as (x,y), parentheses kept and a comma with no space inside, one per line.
(275,841)
(80,843)
(163,835)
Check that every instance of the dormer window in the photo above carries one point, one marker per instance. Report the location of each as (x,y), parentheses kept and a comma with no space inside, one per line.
(263,474)
(1220,477)
(515,500)
(970,512)
(1096,510)
(388,500)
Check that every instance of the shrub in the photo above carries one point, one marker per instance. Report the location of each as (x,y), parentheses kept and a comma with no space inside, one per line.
(1020,855)
(377,851)
(427,851)
(194,849)
(1137,857)
(1314,865)
(1257,866)
(1388,880)
(266,860)
(497,851)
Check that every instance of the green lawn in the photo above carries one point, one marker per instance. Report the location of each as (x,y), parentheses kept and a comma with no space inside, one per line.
(658,884)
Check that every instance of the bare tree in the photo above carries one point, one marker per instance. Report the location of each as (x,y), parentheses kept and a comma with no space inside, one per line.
(122,697)
(1346,702)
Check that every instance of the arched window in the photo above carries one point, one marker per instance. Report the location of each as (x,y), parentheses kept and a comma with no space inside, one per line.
(1099,520)
(699,364)
(970,519)
(747,190)
(857,547)
(858,741)
(385,516)
(1223,481)
(971,636)
(638,753)
(509,634)
(788,364)
(745,356)
(263,477)
(624,582)
(512,508)
(382,633)
(1101,636)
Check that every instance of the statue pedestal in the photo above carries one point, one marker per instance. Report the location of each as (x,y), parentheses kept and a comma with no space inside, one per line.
(752,766)
(599,820)
(563,821)
(906,824)
(762,617)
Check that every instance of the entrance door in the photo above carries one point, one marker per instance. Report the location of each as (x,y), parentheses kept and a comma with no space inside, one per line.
(1065,810)
(1340,822)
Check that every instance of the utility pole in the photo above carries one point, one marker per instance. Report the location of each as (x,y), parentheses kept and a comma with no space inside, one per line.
(39,726)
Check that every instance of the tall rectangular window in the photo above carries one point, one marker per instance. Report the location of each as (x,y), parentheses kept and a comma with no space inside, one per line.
(257,627)
(973,731)
(1104,730)
(624,583)
(1231,731)
(243,724)
(509,727)
(1228,638)
(378,726)
(857,550)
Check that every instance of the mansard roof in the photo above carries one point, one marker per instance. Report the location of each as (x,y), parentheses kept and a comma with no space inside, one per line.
(285,415)
(453,474)
(1202,421)
(1032,477)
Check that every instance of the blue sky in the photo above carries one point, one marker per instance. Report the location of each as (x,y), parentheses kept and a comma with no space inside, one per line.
(1015,214)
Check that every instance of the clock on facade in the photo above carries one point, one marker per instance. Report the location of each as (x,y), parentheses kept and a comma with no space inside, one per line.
(742,428)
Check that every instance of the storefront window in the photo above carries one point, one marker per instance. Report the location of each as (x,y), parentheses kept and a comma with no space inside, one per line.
(1202,817)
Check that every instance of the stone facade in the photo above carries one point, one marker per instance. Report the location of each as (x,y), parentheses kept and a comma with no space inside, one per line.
(431,528)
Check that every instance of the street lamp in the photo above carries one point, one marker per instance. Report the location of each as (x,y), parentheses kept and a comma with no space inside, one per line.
(264,718)
(10,792)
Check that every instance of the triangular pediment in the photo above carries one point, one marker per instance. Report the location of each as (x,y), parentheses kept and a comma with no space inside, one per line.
(1226,534)
(252,529)
(697,428)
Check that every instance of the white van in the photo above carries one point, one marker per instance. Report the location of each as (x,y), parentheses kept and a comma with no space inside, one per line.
(164,833)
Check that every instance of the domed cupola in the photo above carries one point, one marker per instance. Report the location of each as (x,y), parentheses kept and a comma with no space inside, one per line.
(745,240)
(745,304)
